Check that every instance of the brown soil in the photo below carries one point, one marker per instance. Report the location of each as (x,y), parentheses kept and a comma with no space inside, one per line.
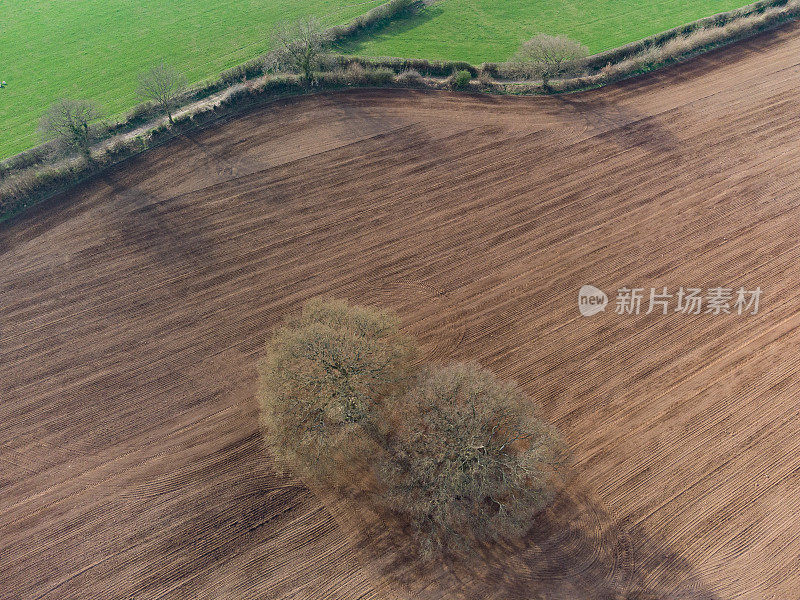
(132,313)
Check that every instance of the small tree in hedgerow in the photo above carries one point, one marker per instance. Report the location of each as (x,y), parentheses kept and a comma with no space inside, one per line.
(548,56)
(298,46)
(163,85)
(69,122)
(323,379)
(469,458)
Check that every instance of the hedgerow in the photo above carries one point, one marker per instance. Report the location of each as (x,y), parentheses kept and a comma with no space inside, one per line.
(428,68)
(615,55)
(460,80)
(252,69)
(654,52)
(24,188)
(22,184)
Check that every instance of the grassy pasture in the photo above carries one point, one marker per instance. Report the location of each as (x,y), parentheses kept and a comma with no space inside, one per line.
(96,48)
(491,30)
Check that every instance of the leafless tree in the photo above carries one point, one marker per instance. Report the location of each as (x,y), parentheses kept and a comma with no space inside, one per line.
(548,56)
(298,45)
(469,458)
(164,85)
(69,122)
(324,374)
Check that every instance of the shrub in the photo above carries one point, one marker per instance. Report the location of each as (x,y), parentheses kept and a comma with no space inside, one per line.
(689,39)
(379,76)
(298,45)
(427,68)
(460,79)
(490,69)
(164,86)
(485,78)
(28,158)
(548,56)
(69,122)
(323,378)
(409,77)
(469,459)
(754,10)
(26,188)
(139,114)
(248,70)
(355,74)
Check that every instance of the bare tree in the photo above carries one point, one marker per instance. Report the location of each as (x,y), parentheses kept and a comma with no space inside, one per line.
(469,458)
(458,454)
(548,56)
(163,85)
(69,121)
(298,45)
(323,376)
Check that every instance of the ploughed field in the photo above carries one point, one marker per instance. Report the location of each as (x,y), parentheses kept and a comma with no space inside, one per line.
(133,311)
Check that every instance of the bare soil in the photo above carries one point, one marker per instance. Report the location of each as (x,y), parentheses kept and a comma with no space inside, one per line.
(133,312)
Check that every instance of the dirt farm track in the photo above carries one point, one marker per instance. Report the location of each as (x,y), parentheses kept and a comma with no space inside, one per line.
(132,313)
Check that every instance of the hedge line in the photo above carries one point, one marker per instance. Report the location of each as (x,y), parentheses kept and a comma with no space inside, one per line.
(26,180)
(680,47)
(594,63)
(620,53)
(254,68)
(33,185)
(428,68)
(147,111)
(719,23)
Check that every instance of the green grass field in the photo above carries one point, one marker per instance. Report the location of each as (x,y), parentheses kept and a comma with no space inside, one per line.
(491,30)
(95,49)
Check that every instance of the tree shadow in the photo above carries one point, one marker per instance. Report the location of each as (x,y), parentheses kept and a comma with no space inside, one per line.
(575,549)
(150,225)
(625,127)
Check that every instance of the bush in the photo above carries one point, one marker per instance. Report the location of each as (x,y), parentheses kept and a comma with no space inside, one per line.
(491,70)
(547,56)
(24,189)
(485,79)
(469,458)
(69,122)
(460,79)
(427,68)
(248,70)
(409,77)
(379,76)
(323,378)
(28,158)
(719,30)
(298,46)
(355,74)
(615,55)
